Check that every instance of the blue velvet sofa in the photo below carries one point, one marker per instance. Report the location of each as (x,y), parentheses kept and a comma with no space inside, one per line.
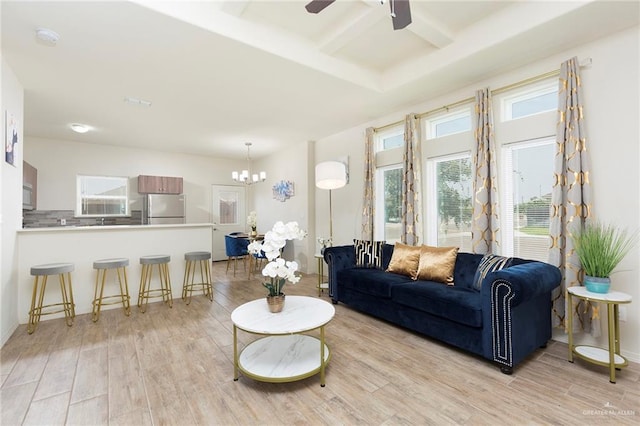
(504,321)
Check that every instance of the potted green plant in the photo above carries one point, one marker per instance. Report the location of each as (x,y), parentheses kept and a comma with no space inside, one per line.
(600,249)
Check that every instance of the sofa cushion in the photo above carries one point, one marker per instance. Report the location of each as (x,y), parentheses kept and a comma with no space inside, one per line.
(466,267)
(368,253)
(455,303)
(405,260)
(370,281)
(489,263)
(437,264)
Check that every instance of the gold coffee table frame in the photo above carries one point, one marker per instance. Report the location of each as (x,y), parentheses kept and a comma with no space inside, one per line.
(269,358)
(592,354)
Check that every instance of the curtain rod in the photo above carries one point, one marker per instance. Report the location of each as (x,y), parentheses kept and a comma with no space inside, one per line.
(586,63)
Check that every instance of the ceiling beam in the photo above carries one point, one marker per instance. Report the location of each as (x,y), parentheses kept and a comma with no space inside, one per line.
(434,33)
(235,7)
(500,27)
(266,38)
(348,29)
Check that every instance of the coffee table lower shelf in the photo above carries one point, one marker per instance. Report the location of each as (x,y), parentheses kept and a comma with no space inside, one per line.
(279,359)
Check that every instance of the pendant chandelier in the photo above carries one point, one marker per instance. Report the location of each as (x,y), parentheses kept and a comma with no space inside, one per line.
(245,176)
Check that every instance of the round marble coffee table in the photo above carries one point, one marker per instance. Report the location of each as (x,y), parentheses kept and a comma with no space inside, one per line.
(285,354)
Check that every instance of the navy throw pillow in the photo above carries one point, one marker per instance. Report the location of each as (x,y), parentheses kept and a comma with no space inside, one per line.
(489,263)
(368,253)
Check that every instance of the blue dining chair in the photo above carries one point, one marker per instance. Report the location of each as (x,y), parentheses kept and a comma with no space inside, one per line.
(257,259)
(236,248)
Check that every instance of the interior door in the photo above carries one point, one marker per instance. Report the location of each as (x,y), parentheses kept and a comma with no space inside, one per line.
(228,213)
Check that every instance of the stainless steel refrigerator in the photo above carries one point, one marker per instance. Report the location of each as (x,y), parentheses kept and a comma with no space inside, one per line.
(159,209)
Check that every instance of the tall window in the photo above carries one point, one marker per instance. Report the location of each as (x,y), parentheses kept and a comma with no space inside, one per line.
(389,203)
(102,196)
(528,178)
(449,214)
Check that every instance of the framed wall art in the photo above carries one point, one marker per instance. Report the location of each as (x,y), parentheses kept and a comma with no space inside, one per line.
(283,190)
(11,138)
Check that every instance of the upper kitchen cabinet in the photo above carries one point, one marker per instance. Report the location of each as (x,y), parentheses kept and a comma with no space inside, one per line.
(29,186)
(159,185)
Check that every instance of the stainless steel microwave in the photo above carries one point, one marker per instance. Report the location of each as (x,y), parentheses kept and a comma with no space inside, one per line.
(27,196)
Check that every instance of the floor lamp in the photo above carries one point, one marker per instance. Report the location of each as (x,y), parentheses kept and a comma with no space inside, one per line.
(331,175)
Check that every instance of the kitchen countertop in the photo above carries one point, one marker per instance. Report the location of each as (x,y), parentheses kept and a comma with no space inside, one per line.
(112,227)
(83,245)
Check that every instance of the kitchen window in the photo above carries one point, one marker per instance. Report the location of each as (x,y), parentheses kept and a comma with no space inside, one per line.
(102,196)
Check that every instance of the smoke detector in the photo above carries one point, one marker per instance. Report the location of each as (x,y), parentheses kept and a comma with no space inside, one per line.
(47,36)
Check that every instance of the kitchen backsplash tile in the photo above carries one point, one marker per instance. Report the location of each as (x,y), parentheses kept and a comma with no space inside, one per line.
(51,218)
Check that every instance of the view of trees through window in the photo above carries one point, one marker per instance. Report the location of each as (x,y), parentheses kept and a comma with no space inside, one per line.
(392,203)
(453,181)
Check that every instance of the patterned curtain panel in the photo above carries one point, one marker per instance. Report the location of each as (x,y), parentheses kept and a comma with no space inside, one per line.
(368,203)
(411,199)
(570,199)
(485,231)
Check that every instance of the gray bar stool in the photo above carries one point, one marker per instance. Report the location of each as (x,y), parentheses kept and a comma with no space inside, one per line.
(146,292)
(63,271)
(102,266)
(197,260)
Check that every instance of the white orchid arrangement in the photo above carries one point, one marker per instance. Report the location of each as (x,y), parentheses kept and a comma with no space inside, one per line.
(324,243)
(278,270)
(252,220)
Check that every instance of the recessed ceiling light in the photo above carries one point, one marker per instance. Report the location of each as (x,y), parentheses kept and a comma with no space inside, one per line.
(79,128)
(47,36)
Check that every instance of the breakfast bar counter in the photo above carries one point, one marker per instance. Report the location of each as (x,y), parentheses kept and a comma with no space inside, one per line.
(83,245)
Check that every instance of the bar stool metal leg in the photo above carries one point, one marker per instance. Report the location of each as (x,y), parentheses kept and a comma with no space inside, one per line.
(197,260)
(67,305)
(146,292)
(102,266)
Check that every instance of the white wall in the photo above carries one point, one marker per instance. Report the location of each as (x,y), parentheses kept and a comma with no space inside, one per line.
(58,163)
(611,98)
(10,204)
(293,165)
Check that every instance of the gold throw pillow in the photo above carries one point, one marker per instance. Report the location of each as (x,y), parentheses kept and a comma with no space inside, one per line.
(437,264)
(404,260)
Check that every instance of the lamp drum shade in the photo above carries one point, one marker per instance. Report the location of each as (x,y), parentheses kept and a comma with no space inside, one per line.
(331,175)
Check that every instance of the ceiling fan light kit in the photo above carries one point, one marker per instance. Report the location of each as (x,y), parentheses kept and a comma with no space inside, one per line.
(400,11)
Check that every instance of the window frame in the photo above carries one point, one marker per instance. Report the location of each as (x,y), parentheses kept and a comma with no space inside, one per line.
(379,228)
(431,201)
(386,134)
(506,166)
(528,92)
(431,123)
(80,197)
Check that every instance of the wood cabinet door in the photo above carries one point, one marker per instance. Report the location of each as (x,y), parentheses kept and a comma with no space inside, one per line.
(159,185)
(149,184)
(172,185)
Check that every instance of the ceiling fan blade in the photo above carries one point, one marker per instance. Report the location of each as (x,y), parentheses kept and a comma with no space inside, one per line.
(402,12)
(318,5)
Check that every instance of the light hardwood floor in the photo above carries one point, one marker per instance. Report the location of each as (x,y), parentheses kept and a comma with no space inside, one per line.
(174,366)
